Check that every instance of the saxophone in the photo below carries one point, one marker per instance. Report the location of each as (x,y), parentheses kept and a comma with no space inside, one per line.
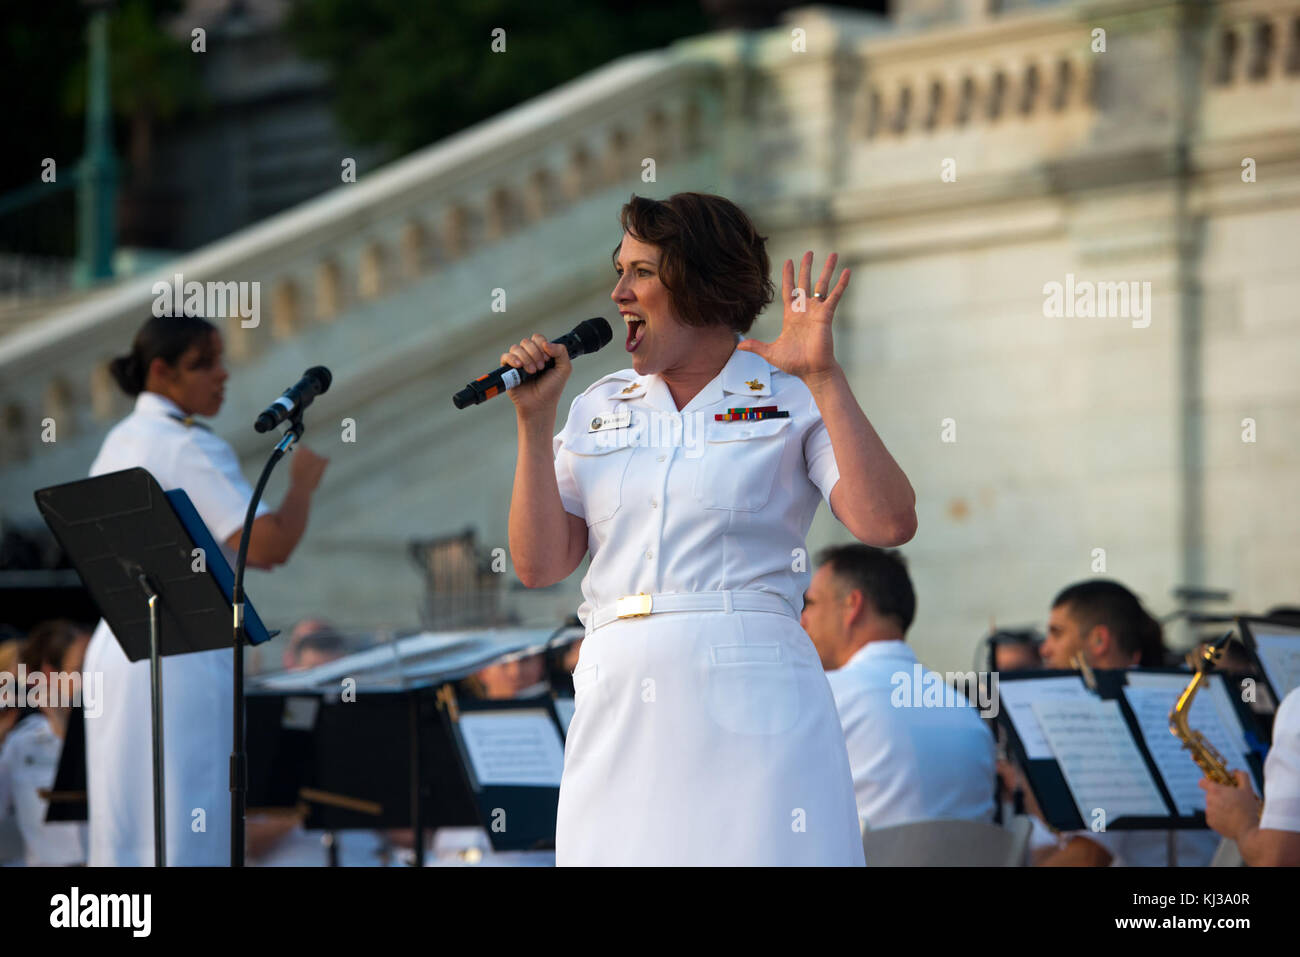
(1207,758)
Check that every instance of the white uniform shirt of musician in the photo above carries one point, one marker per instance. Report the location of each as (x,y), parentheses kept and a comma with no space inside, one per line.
(196,687)
(1282,769)
(911,763)
(29,760)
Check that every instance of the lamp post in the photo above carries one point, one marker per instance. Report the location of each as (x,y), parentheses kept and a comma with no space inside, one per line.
(97,180)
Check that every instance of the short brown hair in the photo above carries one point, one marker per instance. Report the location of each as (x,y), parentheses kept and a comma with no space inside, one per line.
(712,261)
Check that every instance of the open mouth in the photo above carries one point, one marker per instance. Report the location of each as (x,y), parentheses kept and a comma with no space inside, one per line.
(635,332)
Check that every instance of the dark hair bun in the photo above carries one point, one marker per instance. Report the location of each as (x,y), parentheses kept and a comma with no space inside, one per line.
(129,375)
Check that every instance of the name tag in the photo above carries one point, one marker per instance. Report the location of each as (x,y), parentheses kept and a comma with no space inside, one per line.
(614,420)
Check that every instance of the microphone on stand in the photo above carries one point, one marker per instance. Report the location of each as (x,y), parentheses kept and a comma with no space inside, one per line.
(297,397)
(587,336)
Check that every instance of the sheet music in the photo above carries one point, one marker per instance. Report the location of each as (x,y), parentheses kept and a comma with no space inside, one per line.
(1214,689)
(1279,653)
(1017,699)
(1102,766)
(1152,697)
(513,747)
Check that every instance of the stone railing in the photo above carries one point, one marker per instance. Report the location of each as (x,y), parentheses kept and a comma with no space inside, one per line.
(864,110)
(1037,67)
(1255,42)
(339,257)
(1252,73)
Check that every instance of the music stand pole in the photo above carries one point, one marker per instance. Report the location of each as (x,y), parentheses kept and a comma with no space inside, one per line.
(239,756)
(417,780)
(155,714)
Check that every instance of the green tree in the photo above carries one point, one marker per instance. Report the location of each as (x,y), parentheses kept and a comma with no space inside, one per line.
(43,86)
(153,75)
(409,72)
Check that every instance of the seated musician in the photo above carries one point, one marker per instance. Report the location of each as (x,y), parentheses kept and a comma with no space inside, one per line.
(1267,834)
(29,754)
(280,840)
(1104,623)
(908,763)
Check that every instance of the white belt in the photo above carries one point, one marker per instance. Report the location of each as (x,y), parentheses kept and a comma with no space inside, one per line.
(637,606)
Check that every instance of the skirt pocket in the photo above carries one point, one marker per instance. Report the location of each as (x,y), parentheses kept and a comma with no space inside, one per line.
(752,689)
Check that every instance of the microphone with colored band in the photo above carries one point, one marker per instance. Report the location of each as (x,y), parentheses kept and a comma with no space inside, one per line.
(297,397)
(586,337)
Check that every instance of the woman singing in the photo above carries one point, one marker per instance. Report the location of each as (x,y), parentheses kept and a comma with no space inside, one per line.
(705,731)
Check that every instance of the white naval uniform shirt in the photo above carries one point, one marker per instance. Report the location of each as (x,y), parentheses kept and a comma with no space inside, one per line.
(910,763)
(678,502)
(1282,769)
(29,761)
(197,713)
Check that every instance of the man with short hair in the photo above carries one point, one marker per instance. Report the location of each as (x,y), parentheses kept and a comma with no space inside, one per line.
(909,763)
(1103,621)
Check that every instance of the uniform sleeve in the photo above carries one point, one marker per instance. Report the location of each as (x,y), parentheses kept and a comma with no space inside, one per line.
(208,470)
(818,454)
(570,493)
(1282,769)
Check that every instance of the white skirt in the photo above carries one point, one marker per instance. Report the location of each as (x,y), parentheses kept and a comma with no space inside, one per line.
(705,739)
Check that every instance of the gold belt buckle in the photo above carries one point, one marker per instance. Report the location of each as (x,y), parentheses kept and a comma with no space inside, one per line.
(633,606)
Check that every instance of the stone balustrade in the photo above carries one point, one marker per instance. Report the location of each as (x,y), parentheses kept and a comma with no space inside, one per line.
(366,241)
(1254,42)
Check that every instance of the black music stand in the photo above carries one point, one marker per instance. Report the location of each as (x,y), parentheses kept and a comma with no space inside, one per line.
(67,795)
(383,761)
(134,547)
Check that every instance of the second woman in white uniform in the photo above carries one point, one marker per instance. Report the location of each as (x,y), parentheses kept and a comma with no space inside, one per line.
(704,731)
(175,371)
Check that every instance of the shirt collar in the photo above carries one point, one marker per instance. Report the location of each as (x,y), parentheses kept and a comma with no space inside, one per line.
(151,403)
(746,373)
(880,650)
(159,406)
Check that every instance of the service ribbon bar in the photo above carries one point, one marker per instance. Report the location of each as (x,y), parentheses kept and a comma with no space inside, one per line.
(751,415)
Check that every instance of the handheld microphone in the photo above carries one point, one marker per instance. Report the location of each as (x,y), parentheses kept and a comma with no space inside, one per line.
(586,337)
(297,397)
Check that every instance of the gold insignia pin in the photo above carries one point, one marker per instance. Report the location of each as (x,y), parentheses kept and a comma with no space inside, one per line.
(632,388)
(754,384)
(189,421)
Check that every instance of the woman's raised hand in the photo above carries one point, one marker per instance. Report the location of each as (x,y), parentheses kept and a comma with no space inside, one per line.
(804,348)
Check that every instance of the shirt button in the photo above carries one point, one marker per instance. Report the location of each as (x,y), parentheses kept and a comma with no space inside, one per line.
(654,503)
(649,555)
(661,458)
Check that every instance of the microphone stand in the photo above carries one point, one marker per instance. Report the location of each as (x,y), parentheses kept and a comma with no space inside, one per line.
(238,759)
